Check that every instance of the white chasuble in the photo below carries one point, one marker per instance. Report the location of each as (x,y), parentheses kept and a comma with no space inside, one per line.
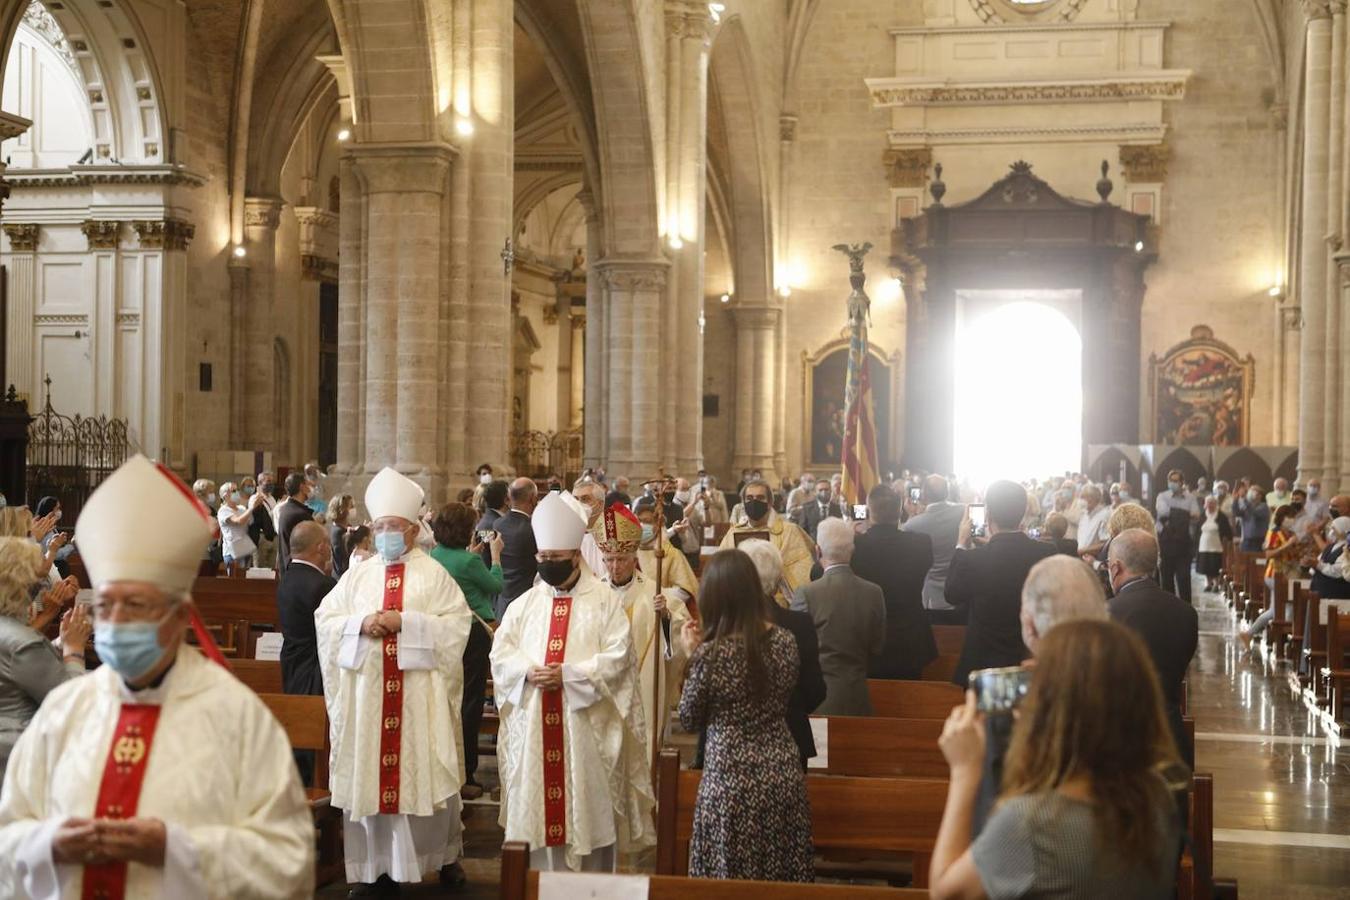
(218,772)
(653,648)
(607,790)
(430,658)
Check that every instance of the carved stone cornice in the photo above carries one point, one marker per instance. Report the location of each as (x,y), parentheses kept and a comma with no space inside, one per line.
(1145,164)
(1316,9)
(908,167)
(757,318)
(106,174)
(40,20)
(101,234)
(1030,133)
(262,212)
(787,128)
(23,236)
(1337,7)
(689,19)
(169,234)
(61,319)
(11,126)
(994,13)
(1165,85)
(315,217)
(550,314)
(317,268)
(633,275)
(1291,317)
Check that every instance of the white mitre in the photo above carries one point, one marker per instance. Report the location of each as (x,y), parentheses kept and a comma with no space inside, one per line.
(576,506)
(557,526)
(143,524)
(392,494)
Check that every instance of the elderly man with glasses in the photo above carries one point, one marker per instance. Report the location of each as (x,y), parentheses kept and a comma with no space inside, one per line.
(159,775)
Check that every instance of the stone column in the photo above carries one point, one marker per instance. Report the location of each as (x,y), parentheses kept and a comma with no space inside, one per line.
(22,300)
(757,368)
(262,215)
(405,188)
(595,411)
(1331,392)
(578,392)
(1312,287)
(688,28)
(163,326)
(103,237)
(634,295)
(787,142)
(563,383)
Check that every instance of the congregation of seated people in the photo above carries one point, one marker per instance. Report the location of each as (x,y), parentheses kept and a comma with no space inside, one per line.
(575,632)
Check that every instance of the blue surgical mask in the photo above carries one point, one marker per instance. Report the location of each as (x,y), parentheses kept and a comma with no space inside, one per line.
(130,648)
(390,545)
(1124,496)
(648,533)
(235,497)
(211,497)
(248,491)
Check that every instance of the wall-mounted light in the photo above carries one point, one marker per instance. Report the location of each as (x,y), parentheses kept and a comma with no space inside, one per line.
(675,241)
(716,10)
(345,134)
(1276,290)
(785,291)
(463,126)
(1138,246)
(725,298)
(239,252)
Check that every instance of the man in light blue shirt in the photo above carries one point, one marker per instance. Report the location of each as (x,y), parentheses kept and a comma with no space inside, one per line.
(941,521)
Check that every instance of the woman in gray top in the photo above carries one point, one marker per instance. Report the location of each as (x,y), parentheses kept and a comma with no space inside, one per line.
(1087,810)
(30,665)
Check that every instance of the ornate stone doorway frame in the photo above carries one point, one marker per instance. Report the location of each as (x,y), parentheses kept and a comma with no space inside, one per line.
(1021,234)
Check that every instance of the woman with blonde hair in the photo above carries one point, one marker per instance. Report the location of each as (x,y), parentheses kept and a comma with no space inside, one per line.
(1087,807)
(30,665)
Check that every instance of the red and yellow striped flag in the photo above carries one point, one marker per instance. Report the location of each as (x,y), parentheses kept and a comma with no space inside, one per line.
(860,433)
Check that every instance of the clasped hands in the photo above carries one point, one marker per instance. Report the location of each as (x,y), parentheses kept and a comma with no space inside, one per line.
(383,623)
(84,842)
(546,678)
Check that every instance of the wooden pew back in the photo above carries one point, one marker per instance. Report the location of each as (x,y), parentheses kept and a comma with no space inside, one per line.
(518,883)
(913,699)
(263,676)
(304,718)
(886,748)
(880,815)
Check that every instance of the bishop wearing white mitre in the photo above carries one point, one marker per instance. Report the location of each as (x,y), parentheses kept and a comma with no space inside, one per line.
(651,617)
(159,775)
(391,646)
(576,784)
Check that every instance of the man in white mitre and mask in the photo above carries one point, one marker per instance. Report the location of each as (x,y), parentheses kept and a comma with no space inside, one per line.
(159,775)
(391,646)
(651,617)
(575,783)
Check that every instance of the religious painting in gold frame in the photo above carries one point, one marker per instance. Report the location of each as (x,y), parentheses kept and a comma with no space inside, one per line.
(1201,393)
(823,377)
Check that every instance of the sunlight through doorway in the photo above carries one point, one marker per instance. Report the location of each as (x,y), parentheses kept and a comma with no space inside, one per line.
(1019,385)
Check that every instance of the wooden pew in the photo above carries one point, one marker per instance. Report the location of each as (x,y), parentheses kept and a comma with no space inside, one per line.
(518,883)
(1336,675)
(882,748)
(251,599)
(950,639)
(913,699)
(305,721)
(879,817)
(262,675)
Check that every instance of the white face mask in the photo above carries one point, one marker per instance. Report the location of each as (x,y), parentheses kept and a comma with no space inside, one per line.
(485,478)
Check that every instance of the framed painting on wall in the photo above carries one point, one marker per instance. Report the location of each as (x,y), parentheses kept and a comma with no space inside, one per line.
(824,374)
(1201,393)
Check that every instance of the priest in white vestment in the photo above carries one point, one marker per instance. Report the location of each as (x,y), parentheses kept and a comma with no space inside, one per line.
(652,618)
(159,775)
(391,646)
(576,784)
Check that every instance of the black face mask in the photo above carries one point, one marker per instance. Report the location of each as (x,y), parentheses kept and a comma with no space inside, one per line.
(1297,507)
(668,497)
(756,509)
(556,571)
(823,498)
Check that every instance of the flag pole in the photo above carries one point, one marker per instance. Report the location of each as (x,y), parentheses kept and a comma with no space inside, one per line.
(859,457)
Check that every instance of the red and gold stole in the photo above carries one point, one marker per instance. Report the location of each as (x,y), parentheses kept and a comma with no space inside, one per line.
(120,792)
(391,735)
(555,770)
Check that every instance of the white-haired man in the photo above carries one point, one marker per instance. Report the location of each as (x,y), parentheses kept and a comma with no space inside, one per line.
(810,688)
(159,775)
(1058,589)
(849,615)
(576,783)
(391,646)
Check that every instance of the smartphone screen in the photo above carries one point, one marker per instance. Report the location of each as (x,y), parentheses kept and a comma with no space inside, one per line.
(976,516)
(860,511)
(999,690)
(914,494)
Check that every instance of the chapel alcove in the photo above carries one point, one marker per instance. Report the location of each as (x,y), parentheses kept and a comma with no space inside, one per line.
(1020,237)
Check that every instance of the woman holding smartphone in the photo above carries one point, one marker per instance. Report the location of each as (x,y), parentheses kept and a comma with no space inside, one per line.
(1087,807)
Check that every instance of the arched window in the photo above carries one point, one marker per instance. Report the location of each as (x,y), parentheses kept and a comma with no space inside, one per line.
(42,84)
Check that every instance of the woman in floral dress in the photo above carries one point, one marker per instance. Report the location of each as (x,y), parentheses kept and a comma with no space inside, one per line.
(751,819)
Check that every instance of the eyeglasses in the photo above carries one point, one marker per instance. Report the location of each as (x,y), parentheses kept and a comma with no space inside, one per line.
(138,609)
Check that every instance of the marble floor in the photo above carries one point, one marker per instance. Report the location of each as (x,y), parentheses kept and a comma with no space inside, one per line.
(1281,788)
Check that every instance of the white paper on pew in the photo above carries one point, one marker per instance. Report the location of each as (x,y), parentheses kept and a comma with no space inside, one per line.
(709,532)
(266,574)
(591,886)
(268,646)
(820,733)
(1305,583)
(705,550)
(1341,606)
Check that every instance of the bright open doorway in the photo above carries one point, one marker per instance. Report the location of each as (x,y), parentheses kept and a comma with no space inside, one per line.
(1019,385)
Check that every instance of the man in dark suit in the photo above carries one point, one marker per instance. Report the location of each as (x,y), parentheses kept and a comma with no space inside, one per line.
(495,505)
(290,513)
(1328,579)
(811,513)
(988,580)
(1169,625)
(897,562)
(850,620)
(301,589)
(519,565)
